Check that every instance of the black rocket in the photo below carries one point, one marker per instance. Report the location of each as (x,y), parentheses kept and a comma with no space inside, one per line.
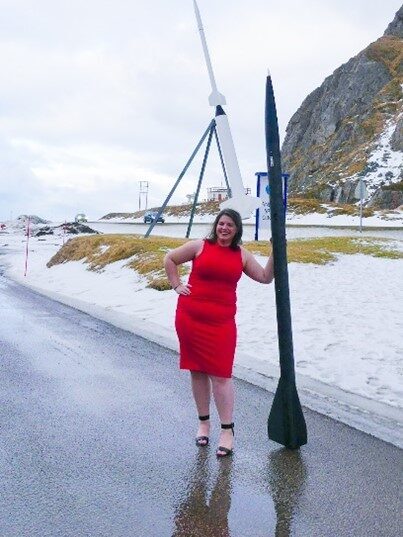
(286,423)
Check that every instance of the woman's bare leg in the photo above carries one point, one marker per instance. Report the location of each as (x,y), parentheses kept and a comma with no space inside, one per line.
(223,392)
(201,389)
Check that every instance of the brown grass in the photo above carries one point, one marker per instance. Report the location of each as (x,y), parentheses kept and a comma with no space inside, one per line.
(324,249)
(373,125)
(305,205)
(351,210)
(389,51)
(204,207)
(145,256)
(355,167)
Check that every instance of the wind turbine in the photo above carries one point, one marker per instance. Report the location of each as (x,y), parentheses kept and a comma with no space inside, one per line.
(239,201)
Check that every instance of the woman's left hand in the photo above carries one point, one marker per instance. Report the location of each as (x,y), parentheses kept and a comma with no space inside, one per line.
(183,289)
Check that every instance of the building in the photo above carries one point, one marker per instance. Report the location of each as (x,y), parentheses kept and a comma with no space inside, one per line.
(217,193)
(220,193)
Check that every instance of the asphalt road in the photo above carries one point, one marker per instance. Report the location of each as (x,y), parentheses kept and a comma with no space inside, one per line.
(96,439)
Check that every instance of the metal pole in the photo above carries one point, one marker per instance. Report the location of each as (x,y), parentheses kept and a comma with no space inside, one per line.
(161,210)
(200,182)
(286,423)
(361,196)
(28,232)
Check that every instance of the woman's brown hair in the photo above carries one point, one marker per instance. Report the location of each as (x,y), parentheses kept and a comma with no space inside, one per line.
(236,218)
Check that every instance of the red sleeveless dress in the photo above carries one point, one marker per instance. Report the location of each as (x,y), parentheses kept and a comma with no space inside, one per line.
(205,319)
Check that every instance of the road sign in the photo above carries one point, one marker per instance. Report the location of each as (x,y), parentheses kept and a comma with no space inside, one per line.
(262,220)
(360,190)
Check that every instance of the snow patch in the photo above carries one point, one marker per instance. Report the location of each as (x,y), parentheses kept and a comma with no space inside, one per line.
(384,165)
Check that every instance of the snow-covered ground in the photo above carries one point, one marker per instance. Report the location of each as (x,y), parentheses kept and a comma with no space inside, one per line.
(380,219)
(347,321)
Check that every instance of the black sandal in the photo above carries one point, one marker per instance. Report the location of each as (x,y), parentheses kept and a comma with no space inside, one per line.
(202,441)
(226,451)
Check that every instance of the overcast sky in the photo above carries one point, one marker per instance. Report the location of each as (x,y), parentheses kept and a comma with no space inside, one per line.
(96,95)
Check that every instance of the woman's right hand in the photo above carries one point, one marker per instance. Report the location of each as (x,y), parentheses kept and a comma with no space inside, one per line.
(183,289)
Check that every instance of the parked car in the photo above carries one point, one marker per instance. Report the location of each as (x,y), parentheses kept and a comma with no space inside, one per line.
(150,216)
(80,218)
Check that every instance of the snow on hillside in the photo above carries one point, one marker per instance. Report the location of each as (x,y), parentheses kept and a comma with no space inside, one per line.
(384,165)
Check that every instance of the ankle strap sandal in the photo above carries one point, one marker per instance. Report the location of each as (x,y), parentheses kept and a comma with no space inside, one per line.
(202,441)
(225,451)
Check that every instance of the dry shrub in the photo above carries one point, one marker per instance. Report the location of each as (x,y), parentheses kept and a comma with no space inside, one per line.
(159,284)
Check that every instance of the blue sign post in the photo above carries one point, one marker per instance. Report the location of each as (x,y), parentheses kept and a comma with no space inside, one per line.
(262,218)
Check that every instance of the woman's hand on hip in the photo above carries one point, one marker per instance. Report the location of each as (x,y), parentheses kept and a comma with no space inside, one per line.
(183,289)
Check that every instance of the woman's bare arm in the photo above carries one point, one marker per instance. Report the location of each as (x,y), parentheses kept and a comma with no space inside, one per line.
(177,257)
(254,269)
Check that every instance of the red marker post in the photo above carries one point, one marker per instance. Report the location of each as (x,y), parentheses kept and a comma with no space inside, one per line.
(28,232)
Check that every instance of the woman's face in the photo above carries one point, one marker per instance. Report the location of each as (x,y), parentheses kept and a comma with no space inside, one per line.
(226,229)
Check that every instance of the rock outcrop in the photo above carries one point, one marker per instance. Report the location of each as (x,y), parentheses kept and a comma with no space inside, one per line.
(69,228)
(351,127)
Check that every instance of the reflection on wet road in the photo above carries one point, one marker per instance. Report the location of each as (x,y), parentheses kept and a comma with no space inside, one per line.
(286,475)
(205,512)
(97,439)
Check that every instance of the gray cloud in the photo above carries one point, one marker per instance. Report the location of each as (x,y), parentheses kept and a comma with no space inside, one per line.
(98,95)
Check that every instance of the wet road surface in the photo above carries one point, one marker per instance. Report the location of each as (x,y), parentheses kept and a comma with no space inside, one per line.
(96,439)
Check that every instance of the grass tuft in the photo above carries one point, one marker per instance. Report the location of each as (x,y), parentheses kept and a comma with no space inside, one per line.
(322,250)
(145,256)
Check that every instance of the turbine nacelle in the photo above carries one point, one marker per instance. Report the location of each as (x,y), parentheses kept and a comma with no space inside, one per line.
(217,99)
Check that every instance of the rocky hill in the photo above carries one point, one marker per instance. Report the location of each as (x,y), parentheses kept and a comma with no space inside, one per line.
(351,127)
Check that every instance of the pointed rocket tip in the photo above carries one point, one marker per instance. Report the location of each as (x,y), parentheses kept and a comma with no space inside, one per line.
(268,73)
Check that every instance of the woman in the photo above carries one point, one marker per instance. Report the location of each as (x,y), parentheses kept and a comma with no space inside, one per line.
(205,317)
